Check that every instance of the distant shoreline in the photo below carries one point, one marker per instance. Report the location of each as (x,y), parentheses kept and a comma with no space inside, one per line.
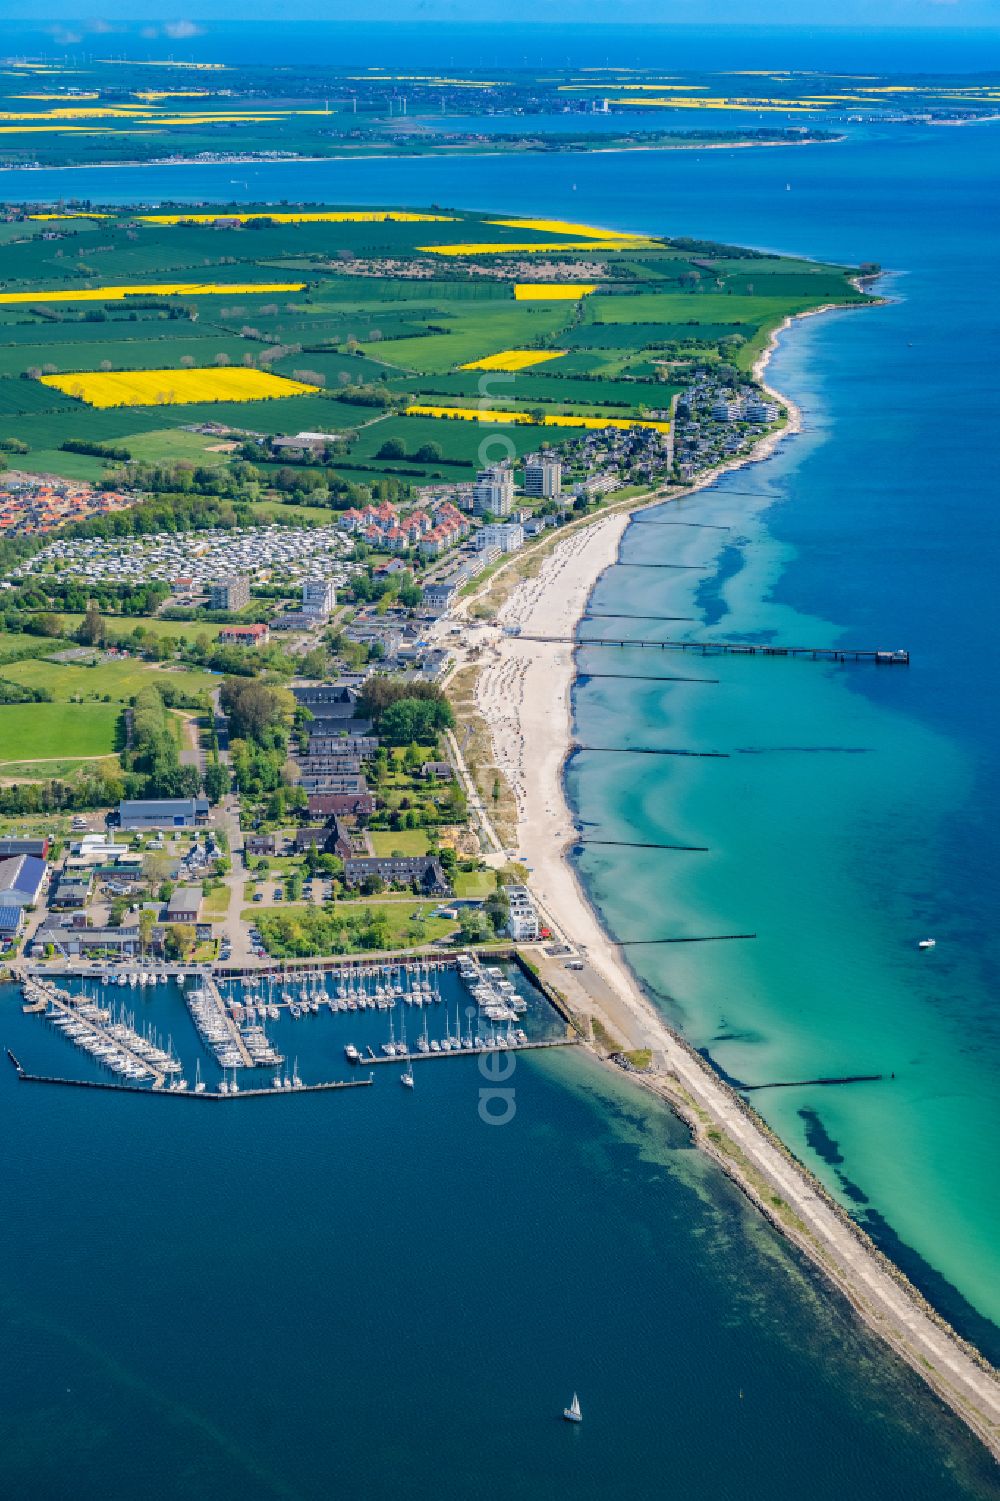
(445,151)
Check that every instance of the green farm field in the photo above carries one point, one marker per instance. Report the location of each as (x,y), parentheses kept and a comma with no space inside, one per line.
(42,732)
(407,327)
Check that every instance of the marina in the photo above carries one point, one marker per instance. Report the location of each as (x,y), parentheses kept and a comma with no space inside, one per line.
(235,1030)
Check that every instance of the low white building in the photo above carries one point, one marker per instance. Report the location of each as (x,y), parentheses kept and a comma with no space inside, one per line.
(507,536)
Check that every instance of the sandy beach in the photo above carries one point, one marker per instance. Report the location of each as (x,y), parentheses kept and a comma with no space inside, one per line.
(523,691)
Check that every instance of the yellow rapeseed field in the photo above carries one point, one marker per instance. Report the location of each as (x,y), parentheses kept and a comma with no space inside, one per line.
(562,227)
(552,291)
(153,289)
(56,98)
(657,425)
(514,359)
(367,216)
(156,388)
(488,414)
(467,414)
(80,215)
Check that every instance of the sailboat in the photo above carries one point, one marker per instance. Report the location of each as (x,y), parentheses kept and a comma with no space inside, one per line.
(572,1413)
(406,1079)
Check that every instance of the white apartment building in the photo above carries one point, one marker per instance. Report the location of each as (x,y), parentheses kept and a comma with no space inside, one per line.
(319,596)
(542,475)
(507,536)
(522,924)
(493,491)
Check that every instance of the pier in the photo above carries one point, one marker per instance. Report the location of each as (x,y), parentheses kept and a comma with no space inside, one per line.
(370,1058)
(42,995)
(192,1094)
(898,658)
(228,1020)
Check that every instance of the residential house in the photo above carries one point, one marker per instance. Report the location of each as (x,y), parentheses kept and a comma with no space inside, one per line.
(332,839)
(403,870)
(72,889)
(323,804)
(244,635)
(256,845)
(441,770)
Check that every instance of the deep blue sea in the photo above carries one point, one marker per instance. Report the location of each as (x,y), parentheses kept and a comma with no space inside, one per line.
(378,1290)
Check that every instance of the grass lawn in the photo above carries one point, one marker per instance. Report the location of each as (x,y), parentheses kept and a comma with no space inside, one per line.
(124,625)
(121,680)
(267,510)
(216,904)
(49,731)
(406,841)
(167,445)
(474,883)
(14,647)
(62,768)
(399,916)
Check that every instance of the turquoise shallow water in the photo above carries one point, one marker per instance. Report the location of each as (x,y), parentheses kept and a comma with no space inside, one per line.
(280,1297)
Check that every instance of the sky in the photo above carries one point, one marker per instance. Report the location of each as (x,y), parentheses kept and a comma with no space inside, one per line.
(88,20)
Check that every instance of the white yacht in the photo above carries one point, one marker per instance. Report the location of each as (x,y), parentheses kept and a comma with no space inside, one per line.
(572,1413)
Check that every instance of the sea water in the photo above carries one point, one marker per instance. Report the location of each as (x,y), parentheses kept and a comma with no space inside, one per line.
(849,814)
(376,1292)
